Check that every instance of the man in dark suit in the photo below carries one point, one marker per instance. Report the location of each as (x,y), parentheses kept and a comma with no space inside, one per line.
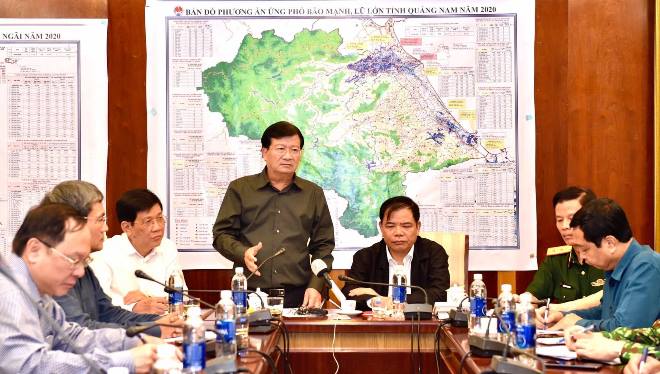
(425,262)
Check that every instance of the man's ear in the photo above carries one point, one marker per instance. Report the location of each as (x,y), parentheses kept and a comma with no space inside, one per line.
(126,227)
(33,251)
(610,242)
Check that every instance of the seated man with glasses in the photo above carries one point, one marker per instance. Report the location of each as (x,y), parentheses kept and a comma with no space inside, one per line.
(49,253)
(142,246)
(86,303)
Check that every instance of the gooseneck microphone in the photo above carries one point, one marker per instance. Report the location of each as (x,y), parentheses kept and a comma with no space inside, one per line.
(254,318)
(168,289)
(420,311)
(137,329)
(279,252)
(320,269)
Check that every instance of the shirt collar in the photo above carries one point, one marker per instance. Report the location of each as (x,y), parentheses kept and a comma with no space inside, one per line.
(406,260)
(263,181)
(633,249)
(131,251)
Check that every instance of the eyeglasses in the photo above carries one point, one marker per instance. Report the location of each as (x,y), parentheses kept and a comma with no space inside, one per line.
(72,263)
(150,221)
(281,150)
(99,220)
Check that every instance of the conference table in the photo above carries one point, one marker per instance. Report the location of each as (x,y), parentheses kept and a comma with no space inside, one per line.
(361,345)
(454,346)
(251,361)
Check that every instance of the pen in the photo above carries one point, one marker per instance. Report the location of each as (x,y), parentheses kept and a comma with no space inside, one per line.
(545,317)
(589,328)
(586,329)
(642,362)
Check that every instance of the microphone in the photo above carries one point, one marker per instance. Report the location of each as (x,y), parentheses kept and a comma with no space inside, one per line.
(504,364)
(458,316)
(141,274)
(320,269)
(410,311)
(254,318)
(279,252)
(483,346)
(137,329)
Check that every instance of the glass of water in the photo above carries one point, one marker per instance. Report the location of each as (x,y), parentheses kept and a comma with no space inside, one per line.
(275,301)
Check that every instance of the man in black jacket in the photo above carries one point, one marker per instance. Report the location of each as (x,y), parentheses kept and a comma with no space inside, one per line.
(425,262)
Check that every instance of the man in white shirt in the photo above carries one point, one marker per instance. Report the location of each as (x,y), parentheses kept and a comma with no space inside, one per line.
(141,246)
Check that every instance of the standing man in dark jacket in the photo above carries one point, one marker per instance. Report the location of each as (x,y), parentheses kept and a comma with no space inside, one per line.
(262,213)
(425,262)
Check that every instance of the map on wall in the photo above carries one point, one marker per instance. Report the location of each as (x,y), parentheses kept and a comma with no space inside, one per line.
(53,110)
(416,99)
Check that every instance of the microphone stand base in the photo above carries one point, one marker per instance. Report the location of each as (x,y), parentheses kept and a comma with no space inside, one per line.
(418,311)
(506,365)
(485,347)
(458,318)
(218,366)
(259,321)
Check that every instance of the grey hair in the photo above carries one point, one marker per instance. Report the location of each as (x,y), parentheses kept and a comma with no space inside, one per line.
(80,195)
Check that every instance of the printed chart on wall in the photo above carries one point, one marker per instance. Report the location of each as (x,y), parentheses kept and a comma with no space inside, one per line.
(53,110)
(429,99)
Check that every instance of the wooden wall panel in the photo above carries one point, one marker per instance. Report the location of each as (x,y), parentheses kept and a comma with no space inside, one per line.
(593,95)
(551,99)
(53,9)
(610,107)
(127,113)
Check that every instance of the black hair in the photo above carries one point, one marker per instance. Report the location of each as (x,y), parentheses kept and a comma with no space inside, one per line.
(600,218)
(279,130)
(135,201)
(571,193)
(398,202)
(47,223)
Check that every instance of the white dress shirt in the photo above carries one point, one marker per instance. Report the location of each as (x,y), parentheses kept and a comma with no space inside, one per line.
(407,266)
(115,267)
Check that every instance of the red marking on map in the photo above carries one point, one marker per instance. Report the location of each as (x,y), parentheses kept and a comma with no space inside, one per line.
(428,56)
(410,41)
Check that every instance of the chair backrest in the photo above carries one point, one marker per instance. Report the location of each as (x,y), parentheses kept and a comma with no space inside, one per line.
(457,246)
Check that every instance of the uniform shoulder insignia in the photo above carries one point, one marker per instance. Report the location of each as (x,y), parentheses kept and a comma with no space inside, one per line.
(598,283)
(552,251)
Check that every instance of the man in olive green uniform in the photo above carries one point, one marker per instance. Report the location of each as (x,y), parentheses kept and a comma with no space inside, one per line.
(275,209)
(561,277)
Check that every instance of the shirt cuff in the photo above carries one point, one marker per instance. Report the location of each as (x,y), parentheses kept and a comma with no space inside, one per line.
(586,323)
(122,359)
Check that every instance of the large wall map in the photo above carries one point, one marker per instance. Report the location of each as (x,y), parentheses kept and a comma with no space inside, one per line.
(420,100)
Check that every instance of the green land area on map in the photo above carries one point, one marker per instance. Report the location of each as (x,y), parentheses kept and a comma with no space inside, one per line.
(368,117)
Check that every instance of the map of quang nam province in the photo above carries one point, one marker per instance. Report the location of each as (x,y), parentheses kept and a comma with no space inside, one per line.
(369,117)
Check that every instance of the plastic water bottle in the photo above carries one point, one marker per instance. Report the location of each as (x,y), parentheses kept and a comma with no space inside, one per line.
(507,311)
(477,303)
(225,324)
(175,302)
(239,293)
(525,325)
(194,342)
(239,290)
(399,292)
